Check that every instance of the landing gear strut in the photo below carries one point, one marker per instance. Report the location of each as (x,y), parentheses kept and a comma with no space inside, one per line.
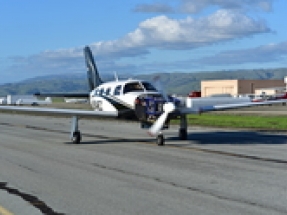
(182,132)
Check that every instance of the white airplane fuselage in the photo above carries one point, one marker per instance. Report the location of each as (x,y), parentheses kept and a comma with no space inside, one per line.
(118,95)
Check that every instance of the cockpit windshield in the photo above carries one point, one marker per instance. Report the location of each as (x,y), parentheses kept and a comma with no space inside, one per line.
(138,87)
(133,87)
(148,86)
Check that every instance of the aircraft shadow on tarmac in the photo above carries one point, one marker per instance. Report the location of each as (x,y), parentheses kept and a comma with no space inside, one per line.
(236,138)
(101,141)
(205,138)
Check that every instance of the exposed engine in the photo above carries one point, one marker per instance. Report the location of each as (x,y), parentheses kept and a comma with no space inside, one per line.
(148,108)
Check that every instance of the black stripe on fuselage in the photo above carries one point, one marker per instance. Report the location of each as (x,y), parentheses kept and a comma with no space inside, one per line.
(117,103)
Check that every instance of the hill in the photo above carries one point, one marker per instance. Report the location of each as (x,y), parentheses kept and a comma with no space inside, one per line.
(176,82)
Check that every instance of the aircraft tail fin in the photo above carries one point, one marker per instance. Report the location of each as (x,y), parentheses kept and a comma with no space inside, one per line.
(94,79)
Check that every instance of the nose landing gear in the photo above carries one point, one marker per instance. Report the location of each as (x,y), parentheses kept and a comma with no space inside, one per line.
(160,139)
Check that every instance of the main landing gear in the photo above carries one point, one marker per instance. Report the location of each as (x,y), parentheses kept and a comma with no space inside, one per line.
(76,136)
(182,134)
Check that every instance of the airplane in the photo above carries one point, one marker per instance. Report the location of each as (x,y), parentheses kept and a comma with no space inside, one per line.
(136,98)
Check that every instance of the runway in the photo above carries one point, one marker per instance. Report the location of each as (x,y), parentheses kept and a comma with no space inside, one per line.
(118,169)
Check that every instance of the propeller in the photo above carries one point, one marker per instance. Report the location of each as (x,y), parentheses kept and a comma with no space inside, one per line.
(168,108)
(160,88)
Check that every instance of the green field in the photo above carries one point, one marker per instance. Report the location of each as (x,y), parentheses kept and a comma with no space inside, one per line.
(238,121)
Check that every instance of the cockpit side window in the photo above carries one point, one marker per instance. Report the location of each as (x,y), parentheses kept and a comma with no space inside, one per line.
(118,90)
(133,87)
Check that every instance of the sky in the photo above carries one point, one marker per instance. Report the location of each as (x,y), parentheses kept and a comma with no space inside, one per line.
(47,37)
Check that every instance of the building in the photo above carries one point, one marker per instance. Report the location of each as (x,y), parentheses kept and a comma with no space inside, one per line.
(237,87)
(26,100)
(270,91)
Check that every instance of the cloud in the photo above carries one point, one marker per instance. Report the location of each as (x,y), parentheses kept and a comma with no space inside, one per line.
(262,54)
(40,64)
(196,6)
(153,8)
(191,6)
(160,32)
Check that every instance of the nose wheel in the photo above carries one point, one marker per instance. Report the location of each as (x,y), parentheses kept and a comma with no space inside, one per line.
(160,140)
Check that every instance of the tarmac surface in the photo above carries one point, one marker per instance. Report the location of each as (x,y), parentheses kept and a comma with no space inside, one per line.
(118,169)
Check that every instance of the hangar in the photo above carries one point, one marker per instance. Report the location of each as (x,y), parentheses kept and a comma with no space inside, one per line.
(237,87)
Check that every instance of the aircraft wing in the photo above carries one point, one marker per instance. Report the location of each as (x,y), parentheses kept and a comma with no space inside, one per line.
(62,112)
(210,108)
(67,95)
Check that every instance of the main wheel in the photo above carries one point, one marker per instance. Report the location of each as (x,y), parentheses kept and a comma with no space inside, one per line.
(182,134)
(160,140)
(77,137)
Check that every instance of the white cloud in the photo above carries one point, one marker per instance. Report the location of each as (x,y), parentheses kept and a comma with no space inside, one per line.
(160,32)
(153,8)
(195,6)
(191,6)
(262,54)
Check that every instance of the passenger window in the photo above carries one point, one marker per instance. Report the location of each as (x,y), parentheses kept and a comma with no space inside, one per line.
(101,91)
(118,90)
(108,91)
(96,92)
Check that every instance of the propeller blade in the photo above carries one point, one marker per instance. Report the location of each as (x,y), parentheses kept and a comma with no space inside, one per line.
(157,126)
(160,88)
(159,123)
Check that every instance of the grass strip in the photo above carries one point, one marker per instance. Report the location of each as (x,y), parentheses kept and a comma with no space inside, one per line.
(238,121)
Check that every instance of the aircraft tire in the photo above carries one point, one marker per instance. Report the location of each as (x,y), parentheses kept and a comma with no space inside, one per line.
(182,134)
(160,140)
(77,137)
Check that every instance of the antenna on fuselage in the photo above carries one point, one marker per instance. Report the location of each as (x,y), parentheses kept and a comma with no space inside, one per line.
(116,76)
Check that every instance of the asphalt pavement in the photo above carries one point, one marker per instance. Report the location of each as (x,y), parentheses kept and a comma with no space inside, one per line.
(118,169)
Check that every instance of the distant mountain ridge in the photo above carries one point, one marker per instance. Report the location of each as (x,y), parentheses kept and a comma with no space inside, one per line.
(176,82)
